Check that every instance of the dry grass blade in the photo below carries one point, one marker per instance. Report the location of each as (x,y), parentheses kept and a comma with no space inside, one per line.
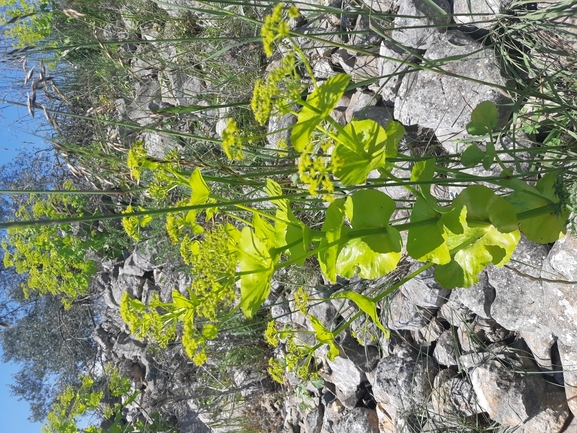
(29,75)
(46,114)
(71,13)
(59,93)
(30,105)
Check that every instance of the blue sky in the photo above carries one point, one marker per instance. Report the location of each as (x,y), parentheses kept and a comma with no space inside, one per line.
(14,122)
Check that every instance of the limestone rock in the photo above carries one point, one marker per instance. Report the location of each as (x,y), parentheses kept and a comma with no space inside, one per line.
(479,13)
(392,66)
(446,350)
(402,313)
(358,420)
(346,377)
(519,297)
(423,291)
(478,298)
(454,397)
(418,23)
(401,385)
(441,100)
(510,398)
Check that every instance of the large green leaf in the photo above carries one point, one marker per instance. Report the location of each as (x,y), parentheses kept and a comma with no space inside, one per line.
(320,104)
(474,244)
(331,242)
(200,190)
(426,241)
(375,254)
(287,227)
(363,146)
(325,336)
(256,265)
(367,305)
(472,156)
(358,256)
(484,118)
(486,206)
(548,227)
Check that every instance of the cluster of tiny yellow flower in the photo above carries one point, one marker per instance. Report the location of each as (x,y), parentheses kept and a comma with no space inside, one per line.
(315,167)
(271,334)
(231,141)
(194,343)
(278,91)
(364,333)
(301,300)
(137,160)
(166,177)
(149,321)
(276,27)
(298,357)
(133,224)
(214,268)
(133,161)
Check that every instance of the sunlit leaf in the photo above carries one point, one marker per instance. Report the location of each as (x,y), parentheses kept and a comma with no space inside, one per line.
(287,227)
(210,331)
(484,205)
(474,245)
(323,335)
(427,240)
(363,146)
(181,301)
(256,265)
(377,253)
(330,244)
(321,102)
(358,256)
(367,305)
(550,226)
(422,173)
(200,190)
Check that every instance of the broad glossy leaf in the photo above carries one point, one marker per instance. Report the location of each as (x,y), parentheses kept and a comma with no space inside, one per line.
(367,305)
(287,227)
(376,254)
(363,146)
(472,156)
(427,242)
(367,209)
(257,268)
(486,206)
(424,171)
(330,244)
(484,118)
(320,104)
(358,256)
(325,336)
(544,228)
(472,249)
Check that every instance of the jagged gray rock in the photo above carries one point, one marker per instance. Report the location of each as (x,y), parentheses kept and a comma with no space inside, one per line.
(443,101)
(358,420)
(418,23)
(401,385)
(479,13)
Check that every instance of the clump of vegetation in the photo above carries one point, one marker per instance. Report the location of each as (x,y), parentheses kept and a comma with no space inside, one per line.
(234,243)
